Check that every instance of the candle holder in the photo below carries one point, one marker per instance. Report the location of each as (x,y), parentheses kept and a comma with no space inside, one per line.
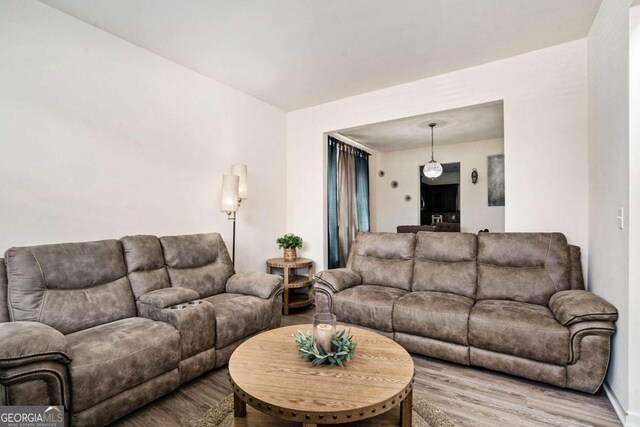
(340,347)
(324,330)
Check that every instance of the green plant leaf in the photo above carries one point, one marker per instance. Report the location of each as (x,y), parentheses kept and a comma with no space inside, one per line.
(344,349)
(289,241)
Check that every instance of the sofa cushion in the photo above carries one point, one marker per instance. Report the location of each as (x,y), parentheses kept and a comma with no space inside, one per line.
(519,329)
(111,358)
(445,262)
(238,316)
(384,259)
(438,315)
(142,253)
(367,305)
(145,264)
(525,267)
(200,262)
(69,286)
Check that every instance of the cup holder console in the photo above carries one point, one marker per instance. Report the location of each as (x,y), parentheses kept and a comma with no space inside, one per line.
(186,305)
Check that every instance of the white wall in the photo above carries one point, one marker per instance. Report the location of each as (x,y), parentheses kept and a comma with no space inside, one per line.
(545,138)
(100,139)
(608,71)
(392,210)
(634,217)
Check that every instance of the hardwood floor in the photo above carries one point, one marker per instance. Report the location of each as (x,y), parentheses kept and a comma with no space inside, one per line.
(470,396)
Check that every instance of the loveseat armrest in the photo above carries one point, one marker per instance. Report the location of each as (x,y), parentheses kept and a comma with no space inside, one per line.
(578,331)
(329,282)
(166,297)
(30,342)
(195,321)
(22,385)
(574,306)
(339,279)
(261,285)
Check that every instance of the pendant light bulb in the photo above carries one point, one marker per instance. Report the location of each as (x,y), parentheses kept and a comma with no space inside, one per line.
(432,169)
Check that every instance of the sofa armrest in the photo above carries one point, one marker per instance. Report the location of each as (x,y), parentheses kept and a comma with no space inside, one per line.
(575,306)
(578,331)
(329,282)
(30,342)
(23,385)
(166,297)
(339,279)
(261,285)
(195,321)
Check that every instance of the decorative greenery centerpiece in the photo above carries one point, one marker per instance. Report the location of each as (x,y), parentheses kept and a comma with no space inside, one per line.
(343,349)
(289,242)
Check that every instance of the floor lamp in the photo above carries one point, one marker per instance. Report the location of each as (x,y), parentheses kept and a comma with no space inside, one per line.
(234,190)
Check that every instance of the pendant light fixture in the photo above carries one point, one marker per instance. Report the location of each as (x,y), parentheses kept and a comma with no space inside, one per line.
(432,169)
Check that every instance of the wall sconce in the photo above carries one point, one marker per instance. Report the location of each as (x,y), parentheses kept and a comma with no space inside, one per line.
(474,176)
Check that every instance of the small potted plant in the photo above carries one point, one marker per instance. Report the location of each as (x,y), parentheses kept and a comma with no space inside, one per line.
(289,242)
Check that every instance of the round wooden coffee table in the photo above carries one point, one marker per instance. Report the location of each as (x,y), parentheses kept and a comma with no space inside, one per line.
(267,373)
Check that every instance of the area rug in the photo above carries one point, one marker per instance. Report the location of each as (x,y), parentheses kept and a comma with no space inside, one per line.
(424,414)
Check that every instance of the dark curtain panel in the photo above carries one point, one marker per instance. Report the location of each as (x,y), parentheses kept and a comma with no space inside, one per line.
(347,199)
(362,190)
(332,204)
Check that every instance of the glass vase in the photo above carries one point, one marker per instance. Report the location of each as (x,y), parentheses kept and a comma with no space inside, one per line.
(324,329)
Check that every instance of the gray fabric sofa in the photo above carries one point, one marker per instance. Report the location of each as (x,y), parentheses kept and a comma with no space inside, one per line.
(106,327)
(511,302)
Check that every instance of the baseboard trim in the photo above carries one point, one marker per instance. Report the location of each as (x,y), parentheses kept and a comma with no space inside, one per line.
(627,419)
(633,419)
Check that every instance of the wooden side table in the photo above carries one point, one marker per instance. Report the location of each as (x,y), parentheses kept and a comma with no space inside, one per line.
(294,280)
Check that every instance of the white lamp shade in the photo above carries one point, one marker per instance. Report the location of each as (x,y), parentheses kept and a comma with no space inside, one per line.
(241,171)
(229,199)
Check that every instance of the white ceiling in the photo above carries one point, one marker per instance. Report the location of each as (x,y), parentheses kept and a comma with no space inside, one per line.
(473,123)
(298,53)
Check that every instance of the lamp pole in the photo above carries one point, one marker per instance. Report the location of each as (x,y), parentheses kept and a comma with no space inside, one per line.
(232,216)
(241,172)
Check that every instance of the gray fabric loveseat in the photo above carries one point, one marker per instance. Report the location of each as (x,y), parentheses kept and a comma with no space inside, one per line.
(512,302)
(106,327)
